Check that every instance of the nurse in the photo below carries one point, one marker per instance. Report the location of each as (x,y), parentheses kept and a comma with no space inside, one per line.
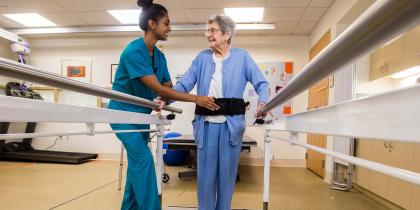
(143,72)
(221,72)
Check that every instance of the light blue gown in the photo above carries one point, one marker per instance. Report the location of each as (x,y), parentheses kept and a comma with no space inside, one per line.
(219,144)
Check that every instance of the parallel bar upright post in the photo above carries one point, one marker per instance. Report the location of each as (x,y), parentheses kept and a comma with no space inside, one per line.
(267,154)
(121,166)
(159,135)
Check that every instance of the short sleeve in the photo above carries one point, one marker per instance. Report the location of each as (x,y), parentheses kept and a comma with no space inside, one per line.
(136,64)
(166,76)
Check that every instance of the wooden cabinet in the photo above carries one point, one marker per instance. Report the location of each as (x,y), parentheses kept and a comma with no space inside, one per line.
(378,181)
(400,54)
(412,48)
(362,174)
(387,60)
(401,155)
(415,192)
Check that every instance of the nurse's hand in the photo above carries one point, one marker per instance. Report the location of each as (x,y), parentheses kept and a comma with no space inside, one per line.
(161,102)
(207,102)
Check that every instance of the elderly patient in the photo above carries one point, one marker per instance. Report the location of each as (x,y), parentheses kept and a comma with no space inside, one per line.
(221,72)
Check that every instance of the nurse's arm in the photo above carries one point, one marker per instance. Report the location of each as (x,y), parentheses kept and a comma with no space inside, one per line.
(163,91)
(168,84)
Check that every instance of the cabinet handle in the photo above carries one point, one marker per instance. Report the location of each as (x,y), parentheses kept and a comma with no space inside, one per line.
(390,147)
(381,70)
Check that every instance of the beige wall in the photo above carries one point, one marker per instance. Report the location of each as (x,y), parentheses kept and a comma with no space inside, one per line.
(337,11)
(180,51)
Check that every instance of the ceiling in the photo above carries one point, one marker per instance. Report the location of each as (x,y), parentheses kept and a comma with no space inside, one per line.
(291,17)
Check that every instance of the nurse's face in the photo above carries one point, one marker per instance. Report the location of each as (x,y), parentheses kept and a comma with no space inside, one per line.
(215,37)
(162,28)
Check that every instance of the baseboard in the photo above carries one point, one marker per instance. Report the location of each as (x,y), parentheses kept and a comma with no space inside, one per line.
(110,156)
(243,161)
(328,177)
(276,163)
(377,198)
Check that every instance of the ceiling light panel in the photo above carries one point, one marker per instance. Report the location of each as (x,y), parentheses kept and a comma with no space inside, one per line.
(245,15)
(30,19)
(126,16)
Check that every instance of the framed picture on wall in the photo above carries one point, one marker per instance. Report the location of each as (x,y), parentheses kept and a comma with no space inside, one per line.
(77,69)
(114,68)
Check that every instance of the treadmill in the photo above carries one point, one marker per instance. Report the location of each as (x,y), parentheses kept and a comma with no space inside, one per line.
(23,150)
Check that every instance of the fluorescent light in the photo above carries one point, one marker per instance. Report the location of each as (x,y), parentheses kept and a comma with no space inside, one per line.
(245,15)
(129,16)
(406,73)
(255,26)
(30,19)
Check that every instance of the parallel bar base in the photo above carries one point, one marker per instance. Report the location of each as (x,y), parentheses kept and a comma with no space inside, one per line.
(265,206)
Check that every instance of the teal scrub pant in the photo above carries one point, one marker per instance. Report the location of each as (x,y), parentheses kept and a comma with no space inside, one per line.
(140,187)
(217,165)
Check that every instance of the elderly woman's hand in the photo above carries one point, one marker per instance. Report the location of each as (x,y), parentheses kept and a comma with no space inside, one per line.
(260,106)
(207,102)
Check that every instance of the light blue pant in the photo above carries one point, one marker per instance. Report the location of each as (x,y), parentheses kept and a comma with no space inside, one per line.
(217,165)
(140,187)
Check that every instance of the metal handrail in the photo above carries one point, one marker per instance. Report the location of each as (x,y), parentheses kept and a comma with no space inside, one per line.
(25,72)
(381,22)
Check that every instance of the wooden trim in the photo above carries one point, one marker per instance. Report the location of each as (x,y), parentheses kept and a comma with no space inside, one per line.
(318,97)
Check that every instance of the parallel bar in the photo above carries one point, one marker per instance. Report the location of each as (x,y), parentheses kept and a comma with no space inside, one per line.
(392,116)
(378,24)
(398,173)
(129,28)
(13,109)
(20,71)
(76,133)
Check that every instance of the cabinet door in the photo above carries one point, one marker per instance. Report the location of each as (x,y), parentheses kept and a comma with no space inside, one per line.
(362,151)
(401,155)
(377,63)
(394,57)
(415,193)
(378,181)
(412,48)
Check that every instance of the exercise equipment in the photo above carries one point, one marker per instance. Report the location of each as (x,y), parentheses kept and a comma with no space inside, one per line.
(24,150)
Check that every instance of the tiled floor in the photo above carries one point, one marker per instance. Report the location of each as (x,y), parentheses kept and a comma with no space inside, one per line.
(93,185)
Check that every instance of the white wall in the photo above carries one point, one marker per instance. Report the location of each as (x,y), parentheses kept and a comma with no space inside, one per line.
(180,51)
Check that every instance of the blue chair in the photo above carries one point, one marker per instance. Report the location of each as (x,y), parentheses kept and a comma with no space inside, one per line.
(173,157)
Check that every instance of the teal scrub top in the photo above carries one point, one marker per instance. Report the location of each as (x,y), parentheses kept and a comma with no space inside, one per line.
(135,62)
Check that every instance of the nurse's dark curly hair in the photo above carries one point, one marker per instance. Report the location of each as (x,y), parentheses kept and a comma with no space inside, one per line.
(150,11)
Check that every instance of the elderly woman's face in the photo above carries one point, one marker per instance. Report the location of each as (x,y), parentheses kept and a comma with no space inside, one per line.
(215,36)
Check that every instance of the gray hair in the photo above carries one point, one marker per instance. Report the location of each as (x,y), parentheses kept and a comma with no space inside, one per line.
(225,23)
